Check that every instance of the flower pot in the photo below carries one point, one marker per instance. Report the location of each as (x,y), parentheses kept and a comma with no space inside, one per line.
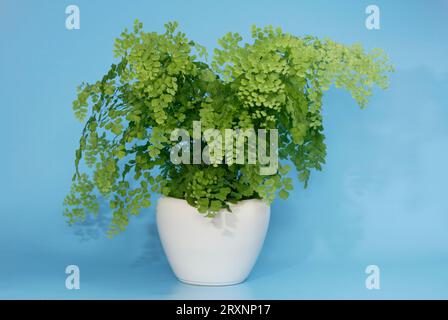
(212,251)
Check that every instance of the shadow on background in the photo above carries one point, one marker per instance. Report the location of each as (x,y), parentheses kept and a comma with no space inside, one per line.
(381,193)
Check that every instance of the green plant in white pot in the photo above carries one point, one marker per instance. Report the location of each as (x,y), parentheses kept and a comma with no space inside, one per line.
(213,139)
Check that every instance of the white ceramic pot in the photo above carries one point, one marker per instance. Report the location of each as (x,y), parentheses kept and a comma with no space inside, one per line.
(212,251)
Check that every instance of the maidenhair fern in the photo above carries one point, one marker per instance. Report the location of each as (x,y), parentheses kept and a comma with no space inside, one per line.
(162,82)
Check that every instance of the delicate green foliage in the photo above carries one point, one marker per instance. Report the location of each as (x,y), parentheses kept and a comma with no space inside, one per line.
(162,82)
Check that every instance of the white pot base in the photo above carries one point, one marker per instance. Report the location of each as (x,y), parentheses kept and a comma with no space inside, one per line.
(210,284)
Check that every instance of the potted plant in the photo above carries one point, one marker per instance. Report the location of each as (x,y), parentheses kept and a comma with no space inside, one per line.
(163,119)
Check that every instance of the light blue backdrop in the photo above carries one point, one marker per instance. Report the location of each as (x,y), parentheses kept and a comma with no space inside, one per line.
(381,199)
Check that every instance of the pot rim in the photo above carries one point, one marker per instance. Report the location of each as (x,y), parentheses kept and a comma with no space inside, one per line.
(229,203)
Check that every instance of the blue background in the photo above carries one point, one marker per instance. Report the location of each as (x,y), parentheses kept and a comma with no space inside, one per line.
(381,199)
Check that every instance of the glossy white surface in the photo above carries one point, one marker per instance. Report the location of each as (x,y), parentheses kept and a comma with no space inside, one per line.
(212,251)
